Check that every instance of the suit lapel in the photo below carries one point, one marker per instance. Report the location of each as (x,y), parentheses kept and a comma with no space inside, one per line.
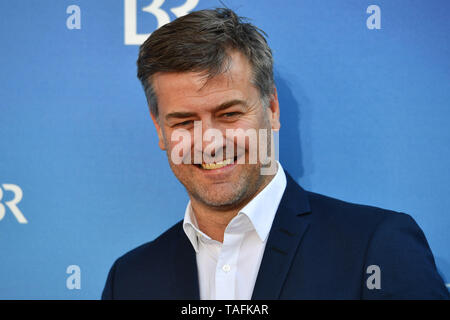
(287,230)
(184,269)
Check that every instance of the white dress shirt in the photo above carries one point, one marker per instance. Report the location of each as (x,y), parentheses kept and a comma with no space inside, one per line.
(228,270)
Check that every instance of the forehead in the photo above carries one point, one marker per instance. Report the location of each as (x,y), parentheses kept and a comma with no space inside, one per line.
(191,89)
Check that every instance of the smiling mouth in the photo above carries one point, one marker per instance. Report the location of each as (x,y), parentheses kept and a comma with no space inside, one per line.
(216,165)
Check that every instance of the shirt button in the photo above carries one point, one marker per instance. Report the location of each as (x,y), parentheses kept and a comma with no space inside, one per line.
(226,267)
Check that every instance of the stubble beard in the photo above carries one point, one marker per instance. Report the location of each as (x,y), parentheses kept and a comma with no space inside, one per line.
(231,194)
(227,195)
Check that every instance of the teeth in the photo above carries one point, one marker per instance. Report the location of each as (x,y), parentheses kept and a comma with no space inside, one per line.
(212,166)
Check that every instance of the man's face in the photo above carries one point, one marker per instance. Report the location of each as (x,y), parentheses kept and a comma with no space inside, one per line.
(227,101)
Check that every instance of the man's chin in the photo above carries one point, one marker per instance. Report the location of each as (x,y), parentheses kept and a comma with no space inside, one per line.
(222,191)
(219,197)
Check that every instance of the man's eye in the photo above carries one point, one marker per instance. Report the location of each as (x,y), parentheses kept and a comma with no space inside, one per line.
(184,123)
(230,114)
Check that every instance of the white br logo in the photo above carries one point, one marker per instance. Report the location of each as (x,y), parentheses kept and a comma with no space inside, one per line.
(12,204)
(162,17)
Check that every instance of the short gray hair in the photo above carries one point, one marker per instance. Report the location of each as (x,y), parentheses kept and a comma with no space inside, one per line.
(201,42)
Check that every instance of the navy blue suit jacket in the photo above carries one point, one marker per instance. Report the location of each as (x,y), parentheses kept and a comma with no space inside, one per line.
(318,248)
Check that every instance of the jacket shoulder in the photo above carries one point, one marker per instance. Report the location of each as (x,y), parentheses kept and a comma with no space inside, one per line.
(156,249)
(141,272)
(338,211)
(390,240)
(347,227)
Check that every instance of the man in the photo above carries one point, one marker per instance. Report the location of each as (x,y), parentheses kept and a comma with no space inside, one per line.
(249,232)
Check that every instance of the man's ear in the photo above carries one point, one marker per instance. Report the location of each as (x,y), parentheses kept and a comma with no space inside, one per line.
(274,111)
(161,143)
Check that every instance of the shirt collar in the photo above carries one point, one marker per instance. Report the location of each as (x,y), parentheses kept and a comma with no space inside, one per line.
(190,227)
(260,210)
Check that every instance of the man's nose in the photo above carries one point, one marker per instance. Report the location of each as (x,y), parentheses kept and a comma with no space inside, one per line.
(208,139)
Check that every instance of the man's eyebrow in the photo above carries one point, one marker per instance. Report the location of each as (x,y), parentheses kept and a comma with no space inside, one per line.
(230,103)
(179,115)
(220,107)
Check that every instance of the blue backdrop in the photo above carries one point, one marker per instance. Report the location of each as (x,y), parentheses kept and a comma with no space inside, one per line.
(364,111)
